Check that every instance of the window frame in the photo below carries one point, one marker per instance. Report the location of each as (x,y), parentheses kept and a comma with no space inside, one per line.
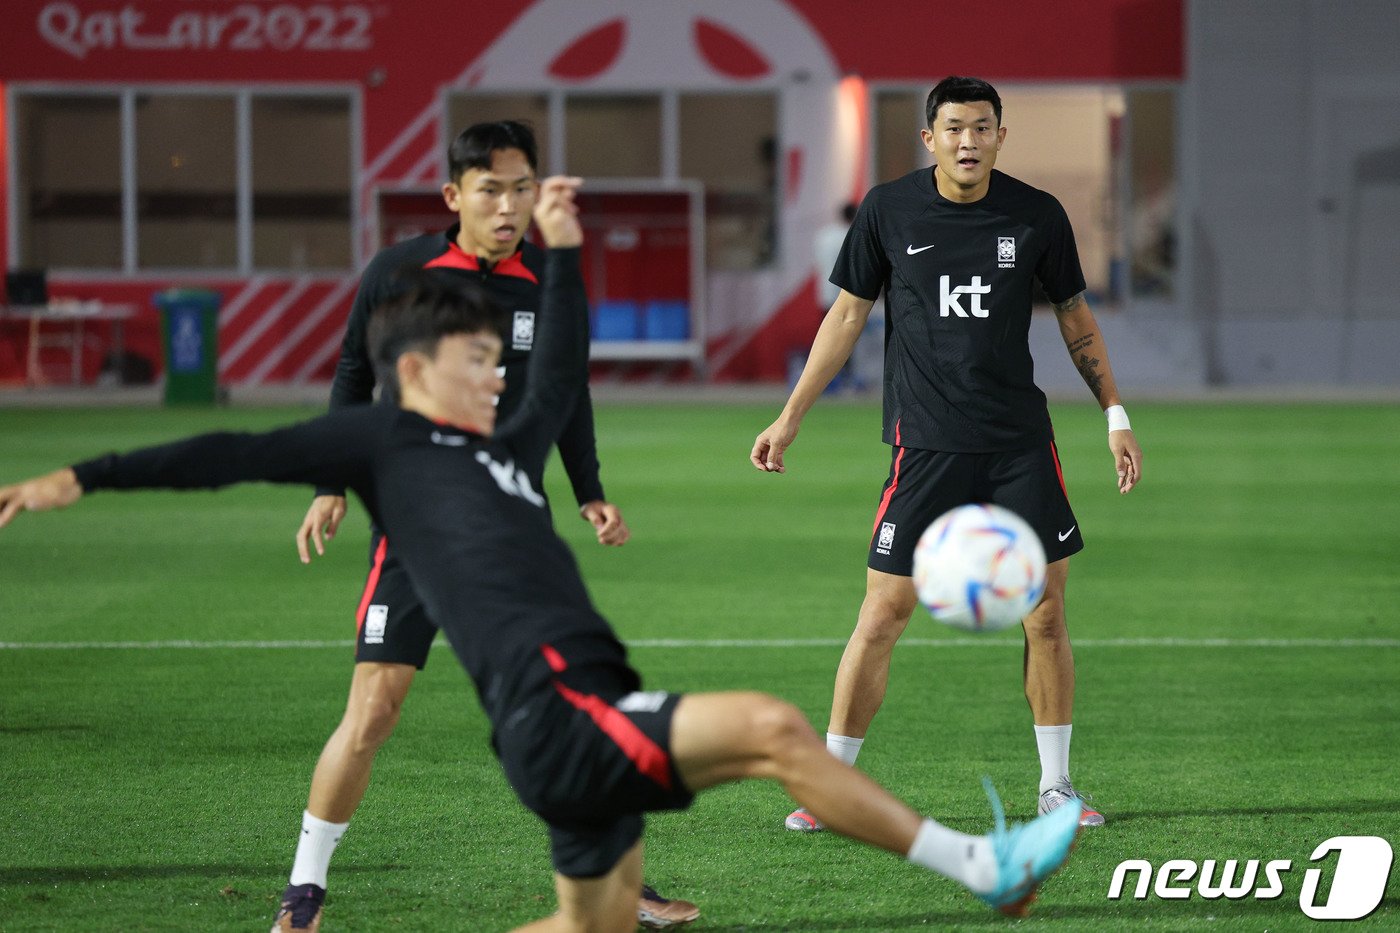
(243,96)
(553,160)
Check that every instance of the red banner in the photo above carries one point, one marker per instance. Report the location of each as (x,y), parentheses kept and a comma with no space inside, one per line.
(394,40)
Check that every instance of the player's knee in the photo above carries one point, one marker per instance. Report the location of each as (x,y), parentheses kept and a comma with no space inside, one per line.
(373,721)
(1046,622)
(885,611)
(880,624)
(781,728)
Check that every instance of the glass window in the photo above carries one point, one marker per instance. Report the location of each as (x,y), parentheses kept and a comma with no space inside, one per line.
(899,115)
(301,182)
(69,181)
(186,182)
(613,137)
(729,142)
(1152,205)
(1065,140)
(465,109)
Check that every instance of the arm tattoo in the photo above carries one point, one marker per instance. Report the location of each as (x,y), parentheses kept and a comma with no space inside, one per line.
(1089,369)
(1069,304)
(1080,343)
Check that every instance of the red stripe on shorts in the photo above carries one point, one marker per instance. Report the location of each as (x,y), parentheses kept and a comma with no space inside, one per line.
(371,583)
(1059,472)
(648,757)
(555,659)
(894,484)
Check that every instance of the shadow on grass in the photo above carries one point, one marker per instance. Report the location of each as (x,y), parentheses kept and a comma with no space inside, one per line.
(1302,809)
(55,874)
(29,730)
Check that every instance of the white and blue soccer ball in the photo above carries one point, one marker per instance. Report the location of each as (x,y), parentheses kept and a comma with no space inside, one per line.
(979,568)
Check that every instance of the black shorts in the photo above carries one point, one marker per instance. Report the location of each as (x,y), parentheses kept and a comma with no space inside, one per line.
(923,484)
(391,625)
(589,758)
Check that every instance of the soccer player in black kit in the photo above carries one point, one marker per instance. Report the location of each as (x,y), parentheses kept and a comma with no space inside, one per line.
(492,187)
(956,249)
(581,743)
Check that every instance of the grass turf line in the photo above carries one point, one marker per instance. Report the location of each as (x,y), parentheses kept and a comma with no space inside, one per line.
(162,789)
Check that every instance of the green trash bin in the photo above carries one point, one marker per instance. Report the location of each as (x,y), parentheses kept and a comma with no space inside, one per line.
(189,337)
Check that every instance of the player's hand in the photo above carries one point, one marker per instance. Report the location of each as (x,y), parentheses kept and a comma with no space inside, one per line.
(1127,456)
(556,212)
(40,494)
(768,447)
(606,519)
(320,525)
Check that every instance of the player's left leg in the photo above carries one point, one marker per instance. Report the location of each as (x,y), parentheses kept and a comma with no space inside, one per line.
(1031,483)
(721,737)
(1049,680)
(922,485)
(604,904)
(1049,659)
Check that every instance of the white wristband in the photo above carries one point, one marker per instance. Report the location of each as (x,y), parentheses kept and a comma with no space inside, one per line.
(1117,418)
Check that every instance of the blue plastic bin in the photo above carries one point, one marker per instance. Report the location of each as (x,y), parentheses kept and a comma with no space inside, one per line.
(666,320)
(615,320)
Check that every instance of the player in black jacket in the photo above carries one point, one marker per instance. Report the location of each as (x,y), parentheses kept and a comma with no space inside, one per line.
(956,249)
(581,743)
(492,167)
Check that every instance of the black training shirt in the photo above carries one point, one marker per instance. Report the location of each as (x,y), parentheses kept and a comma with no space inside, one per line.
(513,284)
(958,282)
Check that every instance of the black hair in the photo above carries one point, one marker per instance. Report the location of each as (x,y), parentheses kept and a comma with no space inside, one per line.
(848,212)
(425,308)
(958,90)
(475,145)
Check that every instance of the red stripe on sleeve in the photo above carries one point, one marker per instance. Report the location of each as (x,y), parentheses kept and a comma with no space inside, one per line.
(649,758)
(894,484)
(371,583)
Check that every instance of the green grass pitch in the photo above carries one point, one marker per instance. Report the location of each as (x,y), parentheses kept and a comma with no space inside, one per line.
(160,788)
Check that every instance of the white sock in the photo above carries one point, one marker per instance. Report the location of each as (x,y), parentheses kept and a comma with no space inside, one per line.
(314,849)
(1053,743)
(964,858)
(844,747)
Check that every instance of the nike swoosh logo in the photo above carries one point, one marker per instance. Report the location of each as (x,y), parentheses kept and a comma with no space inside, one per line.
(911,250)
(1065,535)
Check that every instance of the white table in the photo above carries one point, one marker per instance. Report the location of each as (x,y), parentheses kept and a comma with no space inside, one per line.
(74,314)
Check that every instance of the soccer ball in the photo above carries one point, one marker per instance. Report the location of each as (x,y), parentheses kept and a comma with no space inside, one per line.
(980,568)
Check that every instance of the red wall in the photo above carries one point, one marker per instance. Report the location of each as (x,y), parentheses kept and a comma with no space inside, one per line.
(1011,40)
(413,44)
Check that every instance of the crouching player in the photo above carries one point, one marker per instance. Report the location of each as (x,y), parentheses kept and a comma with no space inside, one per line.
(581,744)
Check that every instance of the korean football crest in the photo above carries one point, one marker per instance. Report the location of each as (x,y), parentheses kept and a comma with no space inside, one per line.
(522,332)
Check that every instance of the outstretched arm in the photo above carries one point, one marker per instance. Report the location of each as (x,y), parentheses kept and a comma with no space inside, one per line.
(1085,343)
(332,449)
(55,490)
(835,340)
